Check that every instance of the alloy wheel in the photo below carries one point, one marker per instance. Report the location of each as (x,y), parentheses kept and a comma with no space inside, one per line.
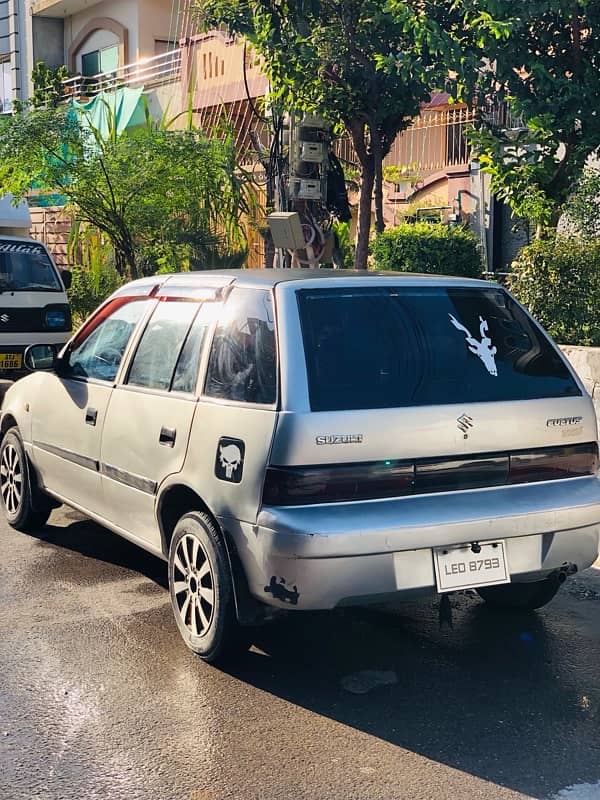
(11,479)
(193,585)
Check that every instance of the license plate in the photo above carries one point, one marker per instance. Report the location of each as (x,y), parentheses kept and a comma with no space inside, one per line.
(10,360)
(460,568)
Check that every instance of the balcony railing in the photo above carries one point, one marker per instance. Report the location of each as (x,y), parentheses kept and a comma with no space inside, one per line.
(435,141)
(148,72)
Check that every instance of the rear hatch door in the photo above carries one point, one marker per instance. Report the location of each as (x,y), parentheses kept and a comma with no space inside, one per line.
(428,387)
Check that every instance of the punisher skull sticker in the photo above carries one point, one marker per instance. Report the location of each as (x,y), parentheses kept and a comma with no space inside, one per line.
(229,463)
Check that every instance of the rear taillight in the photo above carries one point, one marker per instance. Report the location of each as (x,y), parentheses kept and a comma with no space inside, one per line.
(336,483)
(333,484)
(553,463)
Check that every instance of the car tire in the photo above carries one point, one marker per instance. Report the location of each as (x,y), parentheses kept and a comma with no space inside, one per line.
(201,590)
(26,508)
(520,596)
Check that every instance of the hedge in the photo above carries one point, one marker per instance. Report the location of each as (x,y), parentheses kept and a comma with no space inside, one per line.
(431,248)
(558,280)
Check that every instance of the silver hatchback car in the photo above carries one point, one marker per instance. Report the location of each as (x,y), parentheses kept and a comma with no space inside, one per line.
(299,439)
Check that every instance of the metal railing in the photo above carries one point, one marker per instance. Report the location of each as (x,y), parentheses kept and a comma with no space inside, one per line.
(436,140)
(148,72)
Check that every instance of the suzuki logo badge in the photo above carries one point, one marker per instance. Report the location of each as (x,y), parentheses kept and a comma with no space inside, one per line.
(464,422)
(4,318)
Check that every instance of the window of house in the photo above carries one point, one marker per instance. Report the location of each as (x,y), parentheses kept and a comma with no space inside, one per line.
(243,361)
(97,61)
(162,46)
(6,91)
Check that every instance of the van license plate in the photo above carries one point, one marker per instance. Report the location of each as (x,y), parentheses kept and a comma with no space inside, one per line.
(10,361)
(460,568)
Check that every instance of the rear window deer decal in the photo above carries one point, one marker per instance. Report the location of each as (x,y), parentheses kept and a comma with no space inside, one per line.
(482,349)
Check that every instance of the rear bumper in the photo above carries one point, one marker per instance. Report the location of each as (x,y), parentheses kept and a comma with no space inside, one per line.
(340,553)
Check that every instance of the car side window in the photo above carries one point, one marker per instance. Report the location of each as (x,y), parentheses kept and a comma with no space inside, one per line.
(160,345)
(186,371)
(243,358)
(100,353)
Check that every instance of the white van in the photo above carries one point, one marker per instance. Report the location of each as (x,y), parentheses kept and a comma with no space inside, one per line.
(33,301)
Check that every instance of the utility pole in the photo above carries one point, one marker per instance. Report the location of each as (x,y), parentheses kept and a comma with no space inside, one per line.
(301,225)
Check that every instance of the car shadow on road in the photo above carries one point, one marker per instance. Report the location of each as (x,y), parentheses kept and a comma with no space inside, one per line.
(513,700)
(97,544)
(502,698)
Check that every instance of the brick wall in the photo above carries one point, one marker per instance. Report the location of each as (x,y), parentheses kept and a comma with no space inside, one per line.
(52,226)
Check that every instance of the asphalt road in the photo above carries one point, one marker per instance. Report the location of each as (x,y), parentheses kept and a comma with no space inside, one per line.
(100,699)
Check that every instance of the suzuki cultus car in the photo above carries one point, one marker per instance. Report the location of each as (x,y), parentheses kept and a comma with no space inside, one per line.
(297,439)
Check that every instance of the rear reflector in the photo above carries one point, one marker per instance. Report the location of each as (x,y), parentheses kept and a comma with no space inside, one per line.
(336,483)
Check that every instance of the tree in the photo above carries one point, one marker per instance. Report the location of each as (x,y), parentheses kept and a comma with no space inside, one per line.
(583,211)
(546,67)
(164,198)
(366,66)
(48,84)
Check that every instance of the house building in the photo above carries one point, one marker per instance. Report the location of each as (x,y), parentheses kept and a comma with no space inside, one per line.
(14,62)
(153,47)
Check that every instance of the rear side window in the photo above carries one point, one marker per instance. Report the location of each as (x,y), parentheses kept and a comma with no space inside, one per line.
(242,363)
(160,345)
(186,372)
(387,347)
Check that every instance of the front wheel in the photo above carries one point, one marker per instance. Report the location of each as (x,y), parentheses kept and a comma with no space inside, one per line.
(26,508)
(521,596)
(201,589)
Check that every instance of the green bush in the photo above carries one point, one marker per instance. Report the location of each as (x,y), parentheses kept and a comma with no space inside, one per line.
(426,247)
(89,287)
(558,280)
(344,243)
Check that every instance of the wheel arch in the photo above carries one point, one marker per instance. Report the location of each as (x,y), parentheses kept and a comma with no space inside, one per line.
(178,499)
(173,502)
(8,422)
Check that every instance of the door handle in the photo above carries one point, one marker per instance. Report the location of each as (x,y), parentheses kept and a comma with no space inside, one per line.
(91,415)
(167,437)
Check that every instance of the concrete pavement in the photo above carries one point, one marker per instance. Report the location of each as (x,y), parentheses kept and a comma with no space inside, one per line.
(100,698)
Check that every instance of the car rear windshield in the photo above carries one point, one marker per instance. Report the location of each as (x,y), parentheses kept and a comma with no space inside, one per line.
(388,347)
(25,266)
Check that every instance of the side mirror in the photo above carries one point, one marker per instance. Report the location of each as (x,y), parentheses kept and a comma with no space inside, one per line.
(66,276)
(40,357)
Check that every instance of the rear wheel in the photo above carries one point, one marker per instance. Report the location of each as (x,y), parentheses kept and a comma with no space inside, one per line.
(201,589)
(521,596)
(26,508)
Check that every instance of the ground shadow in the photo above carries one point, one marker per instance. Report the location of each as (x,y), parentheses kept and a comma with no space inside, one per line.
(98,544)
(504,698)
(510,699)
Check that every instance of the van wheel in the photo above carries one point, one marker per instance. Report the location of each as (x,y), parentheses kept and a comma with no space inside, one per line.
(201,589)
(520,596)
(26,508)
